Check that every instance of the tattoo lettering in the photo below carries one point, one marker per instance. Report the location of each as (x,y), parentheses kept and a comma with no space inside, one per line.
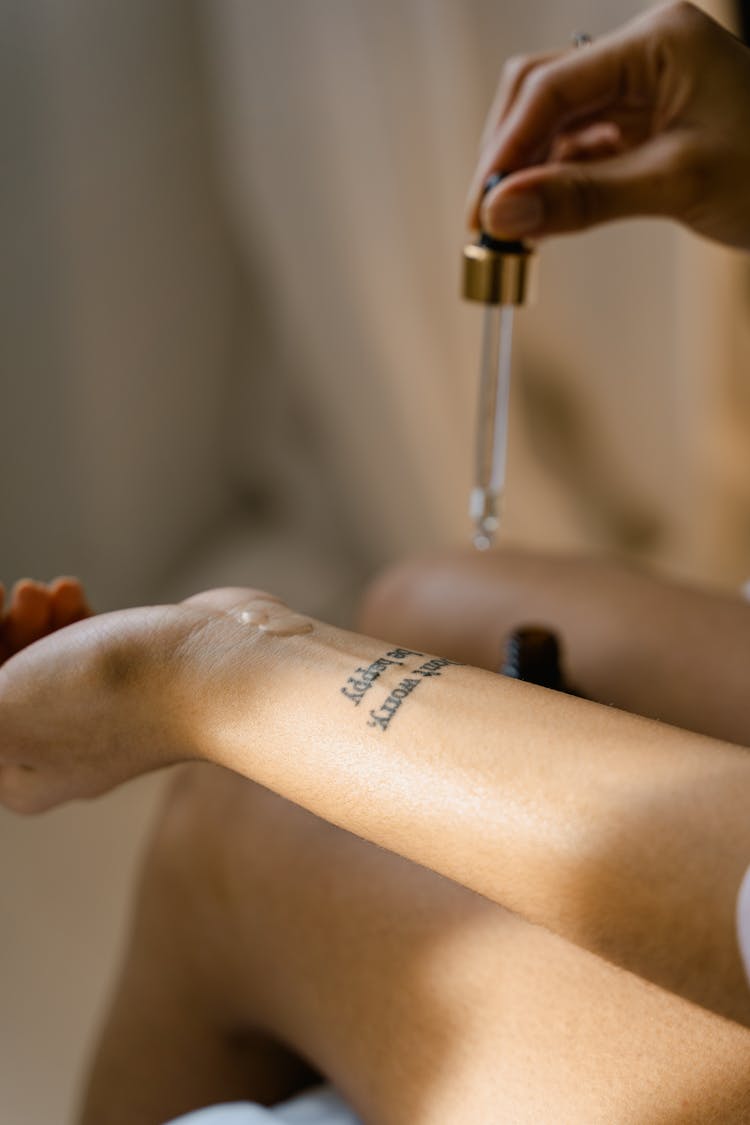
(435,666)
(383,715)
(357,686)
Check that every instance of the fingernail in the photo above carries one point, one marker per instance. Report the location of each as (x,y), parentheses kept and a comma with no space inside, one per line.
(512,216)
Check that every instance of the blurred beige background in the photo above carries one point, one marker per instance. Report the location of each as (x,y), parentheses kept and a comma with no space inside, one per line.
(232,351)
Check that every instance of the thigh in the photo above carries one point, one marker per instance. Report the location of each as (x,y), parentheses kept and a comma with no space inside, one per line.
(168,1044)
(421,1001)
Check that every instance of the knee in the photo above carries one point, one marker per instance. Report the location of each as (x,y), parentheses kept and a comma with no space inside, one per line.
(398,589)
(201,806)
(431,601)
(179,858)
(389,596)
(193,835)
(219,836)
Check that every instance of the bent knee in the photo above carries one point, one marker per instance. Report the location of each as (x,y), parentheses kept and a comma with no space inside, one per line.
(229,837)
(388,596)
(413,587)
(442,604)
(201,808)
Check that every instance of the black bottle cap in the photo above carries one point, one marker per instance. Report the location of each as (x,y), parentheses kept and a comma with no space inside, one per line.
(532,654)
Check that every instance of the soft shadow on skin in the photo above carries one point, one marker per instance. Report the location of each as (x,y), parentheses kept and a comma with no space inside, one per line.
(324,889)
(648,951)
(464,997)
(637,929)
(423,1002)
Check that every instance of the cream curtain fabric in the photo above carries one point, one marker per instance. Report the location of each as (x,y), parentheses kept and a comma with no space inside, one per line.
(117,296)
(347,132)
(232,234)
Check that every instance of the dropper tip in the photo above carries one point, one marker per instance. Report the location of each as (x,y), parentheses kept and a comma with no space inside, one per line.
(484,507)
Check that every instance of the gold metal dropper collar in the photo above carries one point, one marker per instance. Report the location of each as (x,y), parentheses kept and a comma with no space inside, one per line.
(497,273)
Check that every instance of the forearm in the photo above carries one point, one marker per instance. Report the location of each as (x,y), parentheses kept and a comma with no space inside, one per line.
(623,835)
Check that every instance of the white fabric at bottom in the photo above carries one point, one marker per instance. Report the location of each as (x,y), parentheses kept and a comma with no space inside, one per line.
(321,1106)
(743,921)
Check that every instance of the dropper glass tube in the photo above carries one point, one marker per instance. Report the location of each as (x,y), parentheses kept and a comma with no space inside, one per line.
(497,274)
(485,506)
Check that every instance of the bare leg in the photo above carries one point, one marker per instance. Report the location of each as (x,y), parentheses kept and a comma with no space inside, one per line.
(259,923)
(171,1041)
(648,646)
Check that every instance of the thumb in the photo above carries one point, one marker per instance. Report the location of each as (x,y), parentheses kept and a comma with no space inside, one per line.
(555,198)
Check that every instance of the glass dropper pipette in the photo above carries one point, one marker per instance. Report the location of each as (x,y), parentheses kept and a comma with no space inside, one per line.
(498,274)
(485,502)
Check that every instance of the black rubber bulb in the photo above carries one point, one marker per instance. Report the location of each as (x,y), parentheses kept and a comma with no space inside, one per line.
(499,245)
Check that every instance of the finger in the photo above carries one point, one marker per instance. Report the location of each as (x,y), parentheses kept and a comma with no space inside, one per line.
(616,71)
(555,198)
(69,602)
(29,614)
(513,74)
(26,791)
(633,127)
(593,143)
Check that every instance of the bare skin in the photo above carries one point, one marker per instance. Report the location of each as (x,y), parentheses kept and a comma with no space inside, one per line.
(243,1038)
(259,924)
(397,963)
(655,648)
(489,804)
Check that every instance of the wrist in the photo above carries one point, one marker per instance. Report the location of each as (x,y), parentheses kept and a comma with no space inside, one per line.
(274,694)
(151,673)
(235,674)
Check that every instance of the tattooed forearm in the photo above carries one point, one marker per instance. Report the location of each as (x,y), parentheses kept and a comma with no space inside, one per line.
(388,708)
(383,716)
(434,666)
(357,686)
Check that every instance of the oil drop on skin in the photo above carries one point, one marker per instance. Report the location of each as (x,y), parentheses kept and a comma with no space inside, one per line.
(274,618)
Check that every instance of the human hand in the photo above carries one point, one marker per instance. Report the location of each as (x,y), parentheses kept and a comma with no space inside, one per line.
(650,120)
(113,696)
(36,609)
